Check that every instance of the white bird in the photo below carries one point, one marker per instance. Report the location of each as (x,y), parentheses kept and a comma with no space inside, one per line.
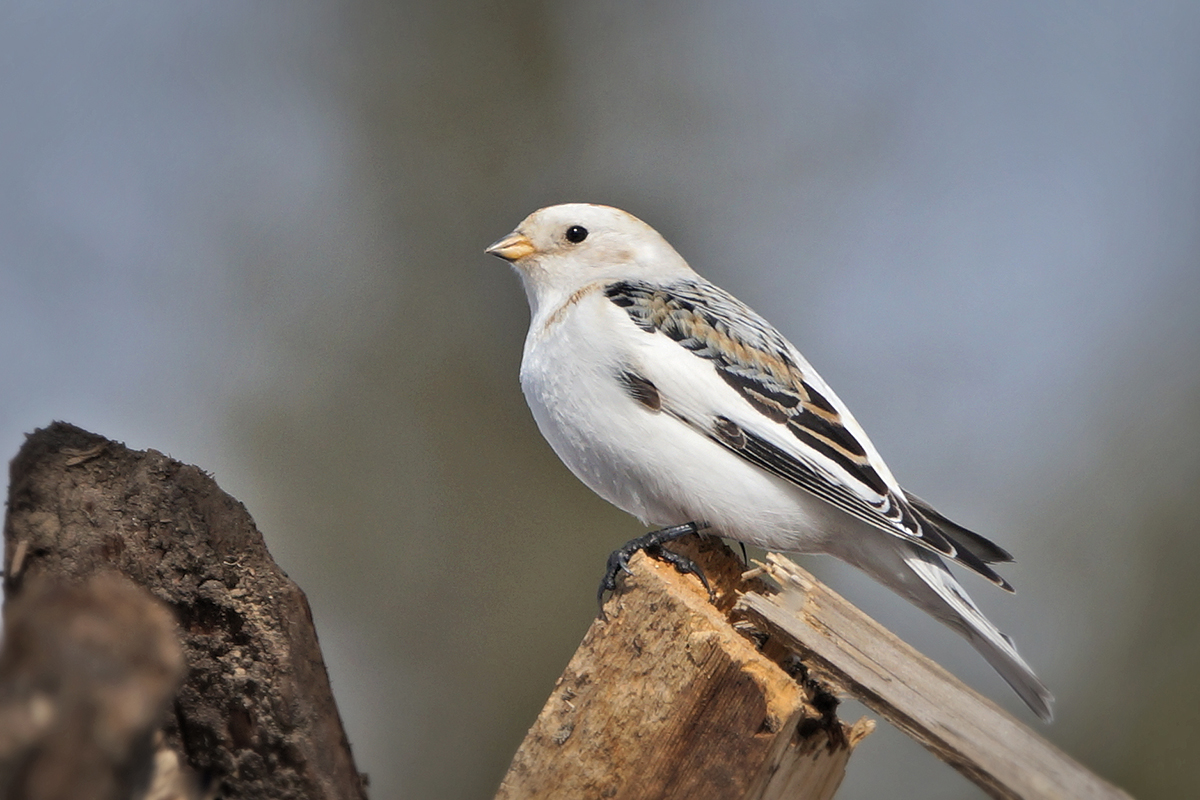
(677,403)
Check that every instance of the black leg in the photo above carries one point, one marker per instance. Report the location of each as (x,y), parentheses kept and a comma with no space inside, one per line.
(652,543)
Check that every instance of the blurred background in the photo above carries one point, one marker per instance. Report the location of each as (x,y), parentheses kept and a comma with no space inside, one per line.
(251,235)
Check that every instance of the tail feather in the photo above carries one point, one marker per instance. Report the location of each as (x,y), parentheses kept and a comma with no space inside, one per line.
(996,648)
(922,578)
(982,548)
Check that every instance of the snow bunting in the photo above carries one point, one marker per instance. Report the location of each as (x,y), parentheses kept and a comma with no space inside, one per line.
(677,403)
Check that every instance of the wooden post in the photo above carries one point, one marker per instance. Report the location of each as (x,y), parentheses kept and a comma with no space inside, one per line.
(677,697)
(666,699)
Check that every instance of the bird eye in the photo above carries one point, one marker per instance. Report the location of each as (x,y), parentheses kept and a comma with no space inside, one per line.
(576,234)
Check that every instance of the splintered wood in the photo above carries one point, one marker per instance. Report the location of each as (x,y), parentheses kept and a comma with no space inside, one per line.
(844,648)
(675,697)
(666,699)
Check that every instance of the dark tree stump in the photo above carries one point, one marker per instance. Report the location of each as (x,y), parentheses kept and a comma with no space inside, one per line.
(87,673)
(255,716)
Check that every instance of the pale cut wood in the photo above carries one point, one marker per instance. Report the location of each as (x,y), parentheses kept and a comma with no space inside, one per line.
(846,649)
(667,699)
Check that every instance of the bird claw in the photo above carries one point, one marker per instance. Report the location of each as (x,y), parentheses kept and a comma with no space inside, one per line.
(652,543)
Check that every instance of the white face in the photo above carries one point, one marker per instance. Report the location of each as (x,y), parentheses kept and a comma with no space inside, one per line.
(561,248)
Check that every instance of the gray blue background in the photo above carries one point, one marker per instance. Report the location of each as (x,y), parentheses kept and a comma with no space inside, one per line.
(250,235)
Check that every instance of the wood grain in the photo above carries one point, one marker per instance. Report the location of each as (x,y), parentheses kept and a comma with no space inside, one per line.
(667,699)
(846,649)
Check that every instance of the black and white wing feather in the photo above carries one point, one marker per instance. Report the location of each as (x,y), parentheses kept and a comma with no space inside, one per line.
(831,457)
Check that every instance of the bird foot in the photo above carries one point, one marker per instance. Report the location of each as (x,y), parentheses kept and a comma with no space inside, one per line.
(652,543)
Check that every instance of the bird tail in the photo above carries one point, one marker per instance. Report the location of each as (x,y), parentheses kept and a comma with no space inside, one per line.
(923,579)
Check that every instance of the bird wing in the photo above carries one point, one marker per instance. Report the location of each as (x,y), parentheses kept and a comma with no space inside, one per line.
(825,451)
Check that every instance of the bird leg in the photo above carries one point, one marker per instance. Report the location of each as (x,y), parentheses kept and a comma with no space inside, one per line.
(652,543)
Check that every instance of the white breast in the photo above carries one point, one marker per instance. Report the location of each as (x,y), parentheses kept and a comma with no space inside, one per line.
(651,464)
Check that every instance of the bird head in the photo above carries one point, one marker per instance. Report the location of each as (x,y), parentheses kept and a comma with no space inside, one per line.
(559,249)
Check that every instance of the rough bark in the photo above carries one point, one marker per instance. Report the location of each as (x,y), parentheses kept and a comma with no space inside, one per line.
(86,674)
(255,715)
